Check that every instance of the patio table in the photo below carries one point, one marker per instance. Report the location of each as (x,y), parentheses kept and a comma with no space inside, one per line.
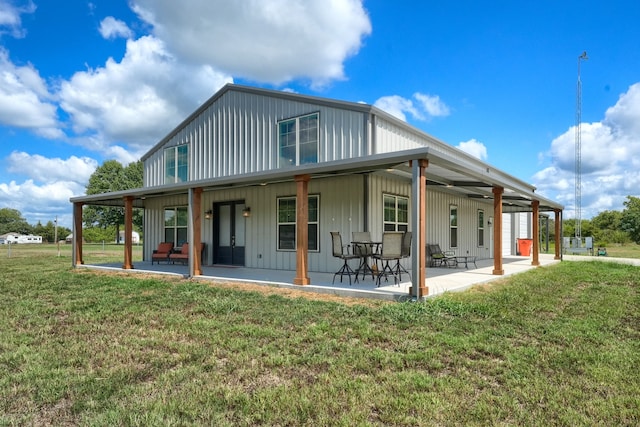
(365,254)
(466,259)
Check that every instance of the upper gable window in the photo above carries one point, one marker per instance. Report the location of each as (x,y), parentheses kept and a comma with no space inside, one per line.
(176,164)
(298,141)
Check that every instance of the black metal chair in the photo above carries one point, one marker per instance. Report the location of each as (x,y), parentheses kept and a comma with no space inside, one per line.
(437,257)
(391,251)
(342,251)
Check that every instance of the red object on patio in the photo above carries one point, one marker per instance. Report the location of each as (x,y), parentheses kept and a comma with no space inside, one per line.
(524,246)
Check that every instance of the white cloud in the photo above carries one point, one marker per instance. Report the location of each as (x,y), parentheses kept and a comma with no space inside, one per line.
(138,100)
(25,101)
(10,20)
(273,41)
(475,148)
(432,105)
(610,159)
(111,28)
(49,184)
(397,106)
(40,202)
(47,170)
(427,106)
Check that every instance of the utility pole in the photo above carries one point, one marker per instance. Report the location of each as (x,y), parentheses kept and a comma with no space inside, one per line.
(578,144)
(56,235)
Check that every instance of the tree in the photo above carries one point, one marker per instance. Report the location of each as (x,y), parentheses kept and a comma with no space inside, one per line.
(11,221)
(112,176)
(607,220)
(48,231)
(630,221)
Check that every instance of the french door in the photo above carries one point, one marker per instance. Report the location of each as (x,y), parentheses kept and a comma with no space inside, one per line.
(228,233)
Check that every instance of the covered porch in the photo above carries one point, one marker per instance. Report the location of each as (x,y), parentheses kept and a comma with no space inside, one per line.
(459,176)
(439,279)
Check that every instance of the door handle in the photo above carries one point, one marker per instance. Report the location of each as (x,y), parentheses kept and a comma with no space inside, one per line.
(233,241)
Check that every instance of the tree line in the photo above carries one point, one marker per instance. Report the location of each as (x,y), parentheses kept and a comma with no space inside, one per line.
(608,227)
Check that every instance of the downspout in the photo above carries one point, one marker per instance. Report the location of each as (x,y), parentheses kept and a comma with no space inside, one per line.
(365,201)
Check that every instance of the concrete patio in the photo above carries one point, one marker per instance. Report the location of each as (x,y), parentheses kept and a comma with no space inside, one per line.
(439,279)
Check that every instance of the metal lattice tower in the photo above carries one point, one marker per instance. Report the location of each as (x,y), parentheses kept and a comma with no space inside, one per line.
(578,144)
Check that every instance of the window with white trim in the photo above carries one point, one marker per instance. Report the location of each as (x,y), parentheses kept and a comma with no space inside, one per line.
(453,226)
(396,213)
(287,223)
(298,141)
(176,222)
(480,228)
(176,164)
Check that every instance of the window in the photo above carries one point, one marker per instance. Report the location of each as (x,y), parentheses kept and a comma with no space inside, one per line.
(453,226)
(287,223)
(176,164)
(298,141)
(175,225)
(480,228)
(396,213)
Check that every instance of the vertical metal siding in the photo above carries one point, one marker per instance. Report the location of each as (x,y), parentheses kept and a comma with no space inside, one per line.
(438,205)
(238,135)
(508,233)
(154,220)
(337,213)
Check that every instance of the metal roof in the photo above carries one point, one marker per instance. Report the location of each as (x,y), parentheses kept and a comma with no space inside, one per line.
(473,179)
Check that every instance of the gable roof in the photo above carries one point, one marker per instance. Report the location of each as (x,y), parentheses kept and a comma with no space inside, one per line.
(450,169)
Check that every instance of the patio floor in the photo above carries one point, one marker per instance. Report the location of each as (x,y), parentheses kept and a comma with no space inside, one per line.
(439,280)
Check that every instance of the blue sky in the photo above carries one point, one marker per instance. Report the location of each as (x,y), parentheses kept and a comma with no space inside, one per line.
(82,82)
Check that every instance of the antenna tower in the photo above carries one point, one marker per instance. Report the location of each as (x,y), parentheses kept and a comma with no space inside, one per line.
(578,144)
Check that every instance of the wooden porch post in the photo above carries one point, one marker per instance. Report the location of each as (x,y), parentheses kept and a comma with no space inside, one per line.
(302,230)
(497,230)
(128,231)
(77,233)
(419,288)
(536,232)
(558,237)
(196,254)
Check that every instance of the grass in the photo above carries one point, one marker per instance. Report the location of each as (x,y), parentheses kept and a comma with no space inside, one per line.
(557,345)
(614,250)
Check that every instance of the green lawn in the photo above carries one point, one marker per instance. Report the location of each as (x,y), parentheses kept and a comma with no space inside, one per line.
(557,345)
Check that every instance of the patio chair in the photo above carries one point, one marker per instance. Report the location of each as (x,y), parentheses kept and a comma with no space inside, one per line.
(342,251)
(437,257)
(183,254)
(162,253)
(391,251)
(405,253)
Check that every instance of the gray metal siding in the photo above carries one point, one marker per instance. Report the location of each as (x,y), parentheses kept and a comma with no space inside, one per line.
(238,135)
(508,233)
(341,209)
(154,220)
(438,205)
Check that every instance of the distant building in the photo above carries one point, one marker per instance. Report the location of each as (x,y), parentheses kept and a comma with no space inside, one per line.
(10,238)
(135,237)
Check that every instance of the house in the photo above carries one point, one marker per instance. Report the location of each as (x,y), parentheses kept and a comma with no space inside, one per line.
(135,237)
(10,238)
(262,177)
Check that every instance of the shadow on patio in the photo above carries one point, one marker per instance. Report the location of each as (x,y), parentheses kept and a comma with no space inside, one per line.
(439,279)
